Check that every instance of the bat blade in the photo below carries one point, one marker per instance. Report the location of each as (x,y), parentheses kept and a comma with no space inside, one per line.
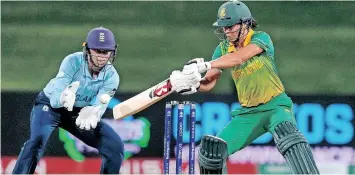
(142,100)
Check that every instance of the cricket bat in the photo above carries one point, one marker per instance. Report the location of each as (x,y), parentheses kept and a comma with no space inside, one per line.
(142,100)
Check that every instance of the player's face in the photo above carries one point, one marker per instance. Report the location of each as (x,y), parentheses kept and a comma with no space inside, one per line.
(232,32)
(99,58)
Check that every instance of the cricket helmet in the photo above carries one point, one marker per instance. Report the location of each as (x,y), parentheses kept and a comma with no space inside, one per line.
(100,38)
(231,13)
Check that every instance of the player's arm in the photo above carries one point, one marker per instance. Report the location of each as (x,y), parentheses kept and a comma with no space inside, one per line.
(212,75)
(236,58)
(62,80)
(260,42)
(209,80)
(109,87)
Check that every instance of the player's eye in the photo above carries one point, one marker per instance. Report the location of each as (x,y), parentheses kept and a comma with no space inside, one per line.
(105,52)
(228,27)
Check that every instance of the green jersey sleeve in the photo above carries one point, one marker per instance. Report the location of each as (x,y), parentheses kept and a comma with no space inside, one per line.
(217,52)
(264,41)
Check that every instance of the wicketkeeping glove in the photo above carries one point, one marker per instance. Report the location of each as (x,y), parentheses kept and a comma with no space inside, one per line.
(88,117)
(67,98)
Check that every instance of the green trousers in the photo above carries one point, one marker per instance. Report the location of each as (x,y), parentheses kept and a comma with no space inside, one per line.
(248,123)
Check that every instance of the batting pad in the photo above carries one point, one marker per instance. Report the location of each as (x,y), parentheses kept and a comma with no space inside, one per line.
(212,155)
(295,149)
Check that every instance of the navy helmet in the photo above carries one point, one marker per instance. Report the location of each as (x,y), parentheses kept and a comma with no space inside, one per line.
(100,38)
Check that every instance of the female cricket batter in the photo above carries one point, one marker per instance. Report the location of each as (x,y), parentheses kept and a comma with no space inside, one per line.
(265,107)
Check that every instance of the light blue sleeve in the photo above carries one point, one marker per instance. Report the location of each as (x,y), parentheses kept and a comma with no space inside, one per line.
(109,87)
(64,77)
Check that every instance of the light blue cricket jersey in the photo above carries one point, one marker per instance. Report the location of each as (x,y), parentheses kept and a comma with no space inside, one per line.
(75,68)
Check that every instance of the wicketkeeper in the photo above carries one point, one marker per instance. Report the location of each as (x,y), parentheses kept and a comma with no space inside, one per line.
(71,101)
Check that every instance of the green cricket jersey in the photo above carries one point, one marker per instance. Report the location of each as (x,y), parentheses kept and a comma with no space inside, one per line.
(256,80)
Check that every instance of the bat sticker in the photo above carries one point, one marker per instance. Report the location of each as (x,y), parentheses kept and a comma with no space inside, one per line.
(161,89)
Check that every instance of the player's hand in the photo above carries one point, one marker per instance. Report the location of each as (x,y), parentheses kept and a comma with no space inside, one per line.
(67,98)
(197,64)
(88,117)
(185,83)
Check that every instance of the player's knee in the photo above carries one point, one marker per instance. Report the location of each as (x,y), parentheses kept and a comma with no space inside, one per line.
(294,148)
(115,156)
(119,153)
(119,144)
(113,147)
(286,135)
(112,151)
(35,142)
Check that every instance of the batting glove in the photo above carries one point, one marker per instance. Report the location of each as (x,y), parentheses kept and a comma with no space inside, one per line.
(197,64)
(185,84)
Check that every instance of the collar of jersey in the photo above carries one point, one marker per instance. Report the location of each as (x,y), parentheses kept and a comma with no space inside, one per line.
(246,41)
(248,37)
